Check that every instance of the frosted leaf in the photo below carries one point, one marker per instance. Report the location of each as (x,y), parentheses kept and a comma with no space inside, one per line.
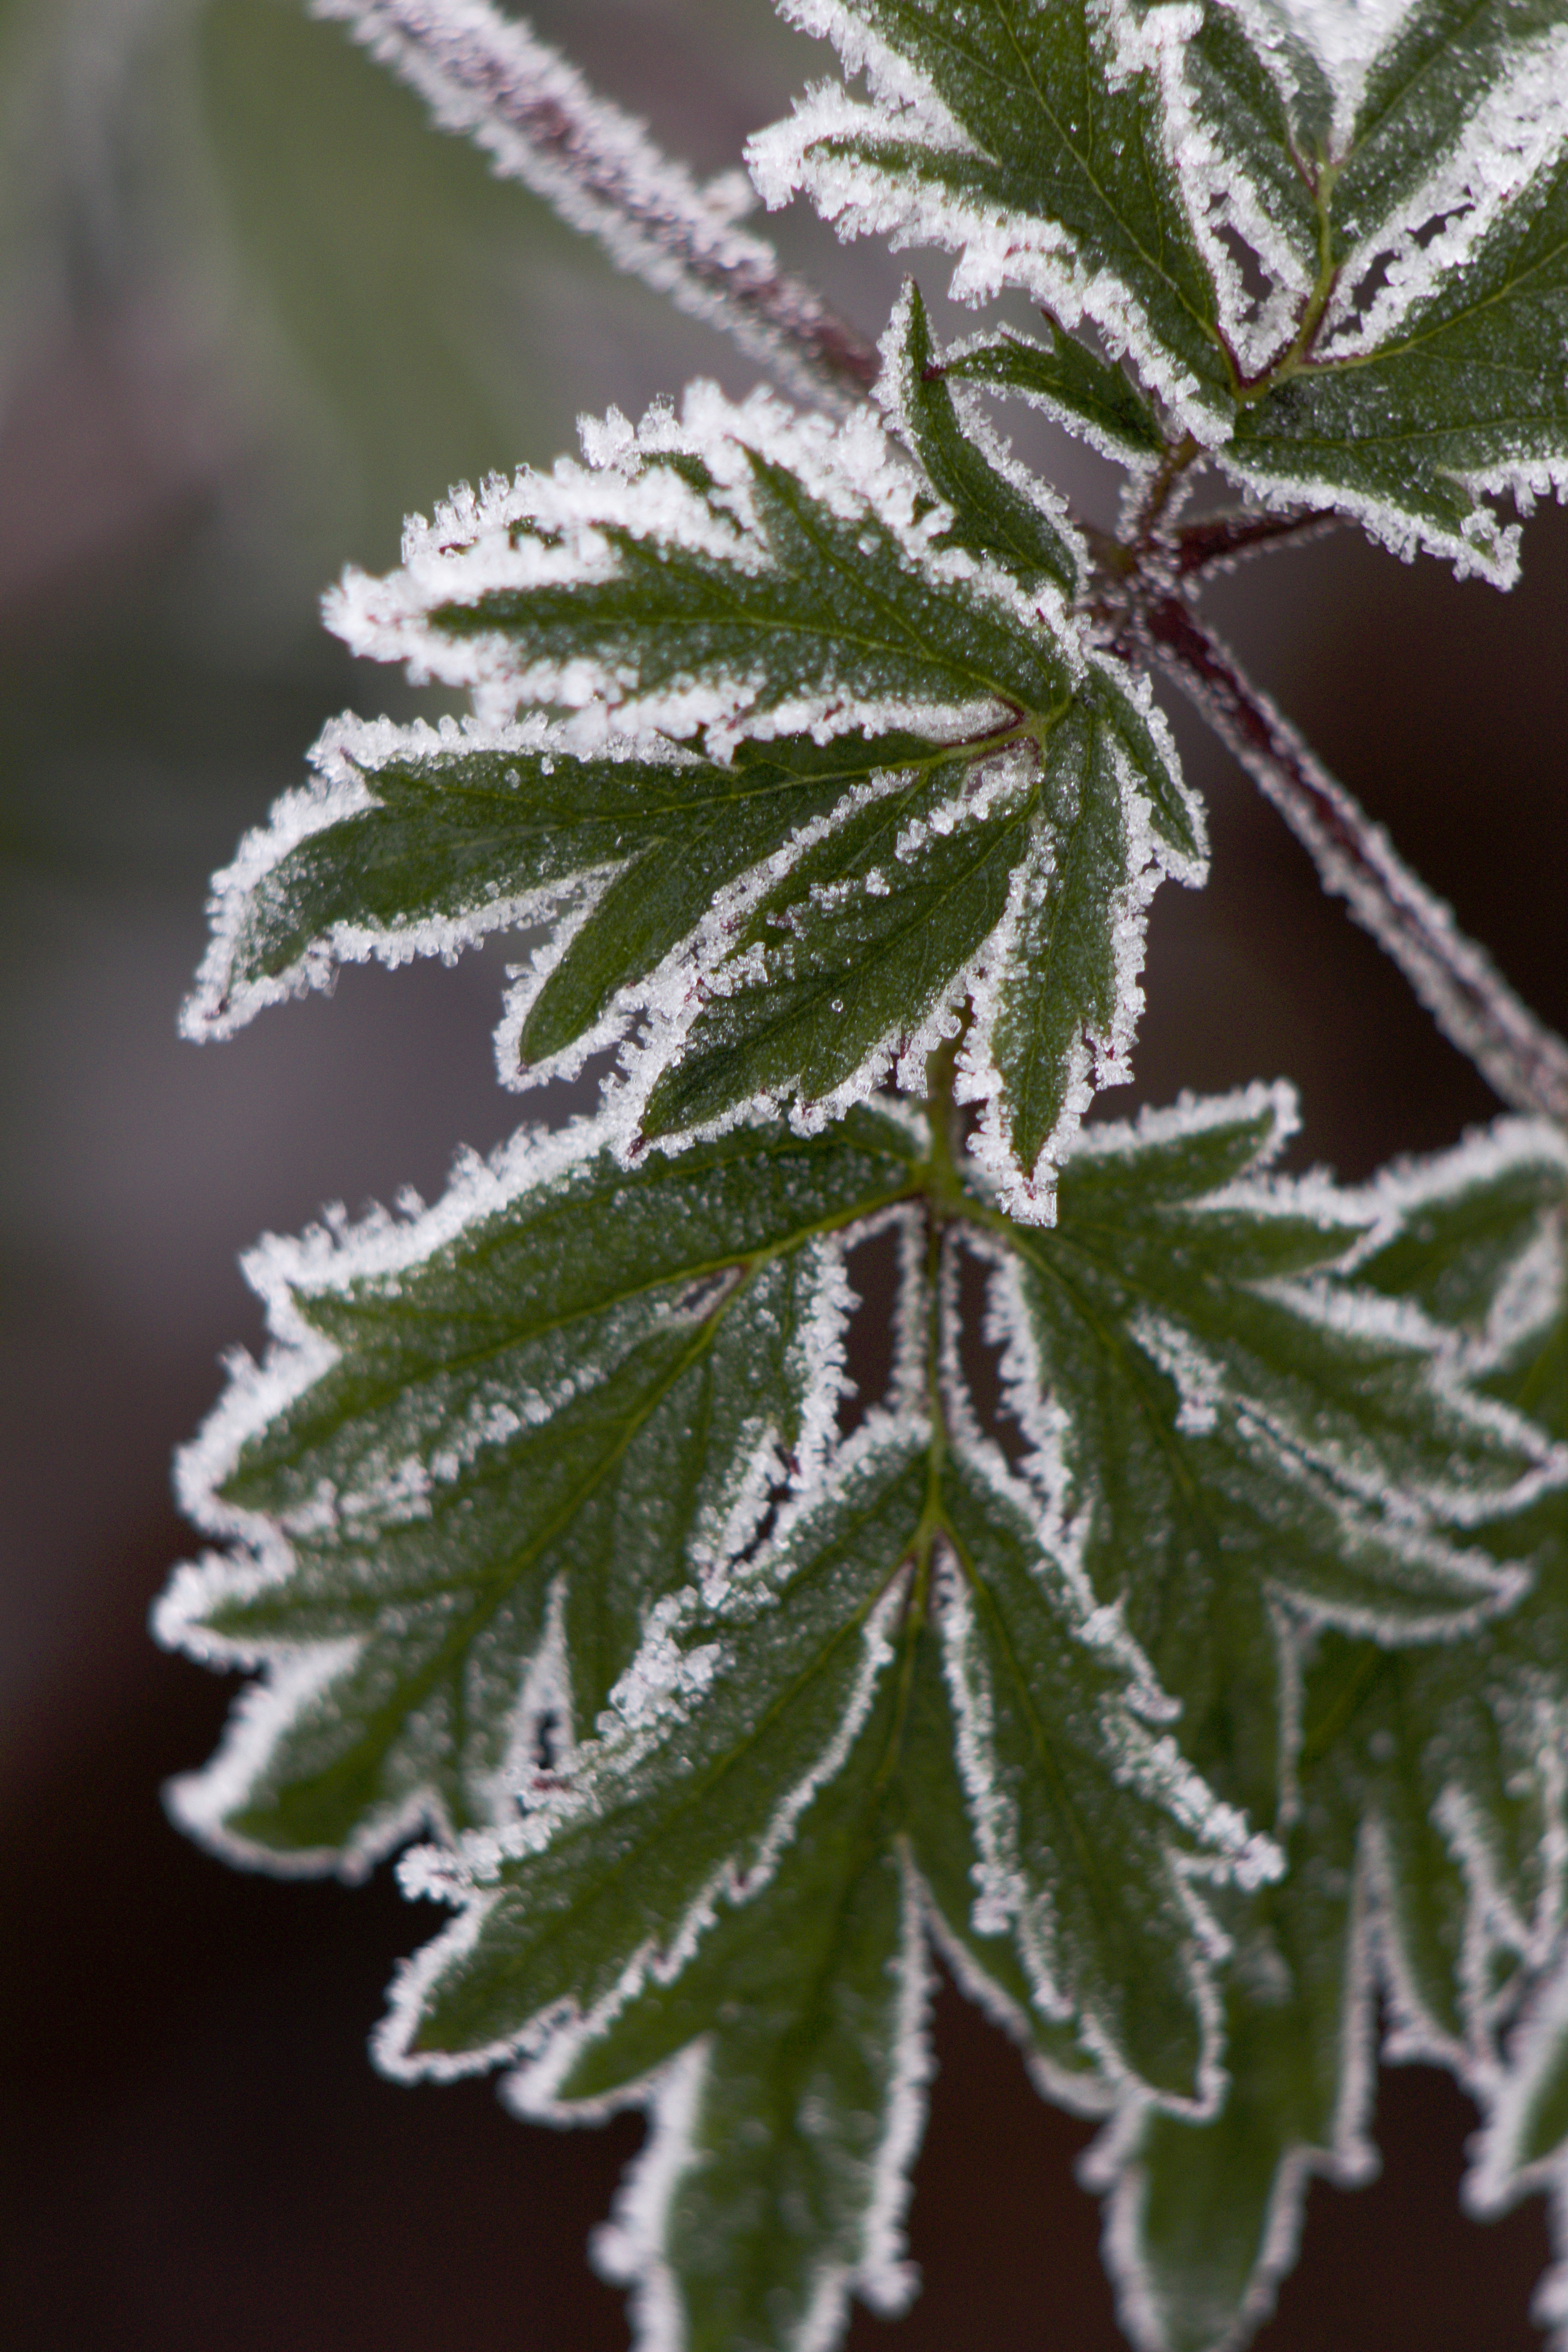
(546,1534)
(1068,384)
(721,1911)
(1204,2216)
(917,783)
(419,841)
(1428,1800)
(796,1662)
(1343,39)
(1021,882)
(743,572)
(1000,510)
(1450,387)
(1035,144)
(1327,238)
(1485,1249)
(1241,1436)
(1427,1859)
(1432,95)
(503,1407)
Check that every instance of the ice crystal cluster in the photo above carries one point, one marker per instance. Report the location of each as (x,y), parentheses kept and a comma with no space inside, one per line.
(1170,1641)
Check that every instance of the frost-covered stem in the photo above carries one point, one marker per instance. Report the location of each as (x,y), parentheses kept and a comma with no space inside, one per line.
(1216,542)
(1146,527)
(944,1184)
(1524,1061)
(539,121)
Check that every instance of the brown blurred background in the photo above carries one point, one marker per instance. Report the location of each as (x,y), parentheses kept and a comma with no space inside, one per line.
(250,311)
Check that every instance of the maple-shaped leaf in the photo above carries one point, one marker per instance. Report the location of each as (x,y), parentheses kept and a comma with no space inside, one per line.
(545,1531)
(1426,1862)
(919,787)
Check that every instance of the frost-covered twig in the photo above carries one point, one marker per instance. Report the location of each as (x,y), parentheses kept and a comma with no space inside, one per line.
(1524,1061)
(1215,542)
(539,123)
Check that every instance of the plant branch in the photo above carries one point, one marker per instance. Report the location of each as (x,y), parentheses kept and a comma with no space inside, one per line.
(1524,1061)
(1215,542)
(539,123)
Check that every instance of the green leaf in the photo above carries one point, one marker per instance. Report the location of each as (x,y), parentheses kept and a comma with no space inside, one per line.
(1264,105)
(1464,392)
(1483,1247)
(1068,383)
(1033,141)
(494,1437)
(545,1529)
(720,1910)
(745,572)
(731,1721)
(789,920)
(1242,1438)
(1103,1927)
(1422,1807)
(1430,1801)
(792,2056)
(1479,1240)
(418,843)
(1422,102)
(998,510)
(1427,374)
(1025,874)
(1400,1752)
(1205,2216)
(1341,269)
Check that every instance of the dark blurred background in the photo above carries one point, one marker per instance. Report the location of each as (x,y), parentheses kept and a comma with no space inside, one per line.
(252,311)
